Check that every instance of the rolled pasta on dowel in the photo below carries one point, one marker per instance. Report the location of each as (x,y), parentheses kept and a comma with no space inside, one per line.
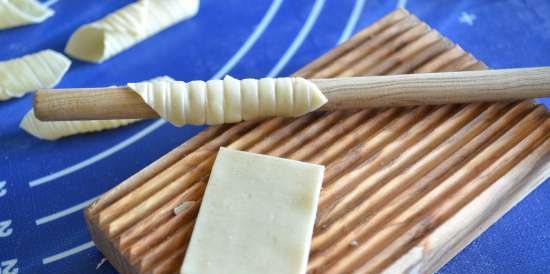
(102,39)
(229,100)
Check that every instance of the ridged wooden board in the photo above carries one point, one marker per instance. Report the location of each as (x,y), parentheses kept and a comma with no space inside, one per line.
(405,189)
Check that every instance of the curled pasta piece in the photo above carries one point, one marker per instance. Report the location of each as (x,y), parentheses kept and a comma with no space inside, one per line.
(43,69)
(100,40)
(58,129)
(15,13)
(229,100)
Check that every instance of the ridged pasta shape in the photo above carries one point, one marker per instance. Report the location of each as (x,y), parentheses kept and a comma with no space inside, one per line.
(14,13)
(102,39)
(43,69)
(58,129)
(229,100)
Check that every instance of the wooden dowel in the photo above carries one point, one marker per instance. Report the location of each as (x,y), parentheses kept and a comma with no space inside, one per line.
(435,88)
(342,93)
(90,104)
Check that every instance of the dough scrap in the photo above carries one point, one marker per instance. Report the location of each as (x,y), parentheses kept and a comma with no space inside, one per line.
(256,216)
(102,39)
(43,69)
(57,129)
(14,13)
(229,100)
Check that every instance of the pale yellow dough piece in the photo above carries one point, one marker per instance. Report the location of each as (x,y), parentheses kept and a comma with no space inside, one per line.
(102,39)
(58,129)
(229,100)
(43,69)
(256,216)
(14,13)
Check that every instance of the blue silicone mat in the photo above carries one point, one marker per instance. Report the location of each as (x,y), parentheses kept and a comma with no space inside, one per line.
(44,185)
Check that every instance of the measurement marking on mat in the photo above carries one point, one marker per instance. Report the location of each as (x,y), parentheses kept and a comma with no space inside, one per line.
(5,229)
(401,3)
(3,188)
(299,39)
(352,21)
(64,212)
(68,252)
(9,267)
(268,17)
(104,154)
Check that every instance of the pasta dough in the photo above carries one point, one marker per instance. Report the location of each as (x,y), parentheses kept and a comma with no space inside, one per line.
(15,13)
(58,129)
(229,100)
(30,72)
(256,216)
(100,40)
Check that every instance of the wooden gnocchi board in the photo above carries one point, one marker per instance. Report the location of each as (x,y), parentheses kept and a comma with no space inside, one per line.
(405,189)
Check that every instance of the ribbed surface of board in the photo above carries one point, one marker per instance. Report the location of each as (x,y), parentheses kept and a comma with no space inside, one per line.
(404,188)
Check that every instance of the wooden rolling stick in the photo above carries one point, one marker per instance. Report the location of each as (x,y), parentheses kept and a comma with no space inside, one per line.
(342,93)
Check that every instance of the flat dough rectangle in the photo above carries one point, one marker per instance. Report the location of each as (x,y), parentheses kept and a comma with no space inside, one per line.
(256,216)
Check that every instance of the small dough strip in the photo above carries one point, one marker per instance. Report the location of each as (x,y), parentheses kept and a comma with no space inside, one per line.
(14,13)
(101,40)
(58,129)
(229,100)
(43,69)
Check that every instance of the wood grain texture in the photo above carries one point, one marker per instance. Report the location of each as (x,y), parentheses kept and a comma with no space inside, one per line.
(90,104)
(434,88)
(405,189)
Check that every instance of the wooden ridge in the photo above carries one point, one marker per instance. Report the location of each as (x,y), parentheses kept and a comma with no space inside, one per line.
(405,189)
